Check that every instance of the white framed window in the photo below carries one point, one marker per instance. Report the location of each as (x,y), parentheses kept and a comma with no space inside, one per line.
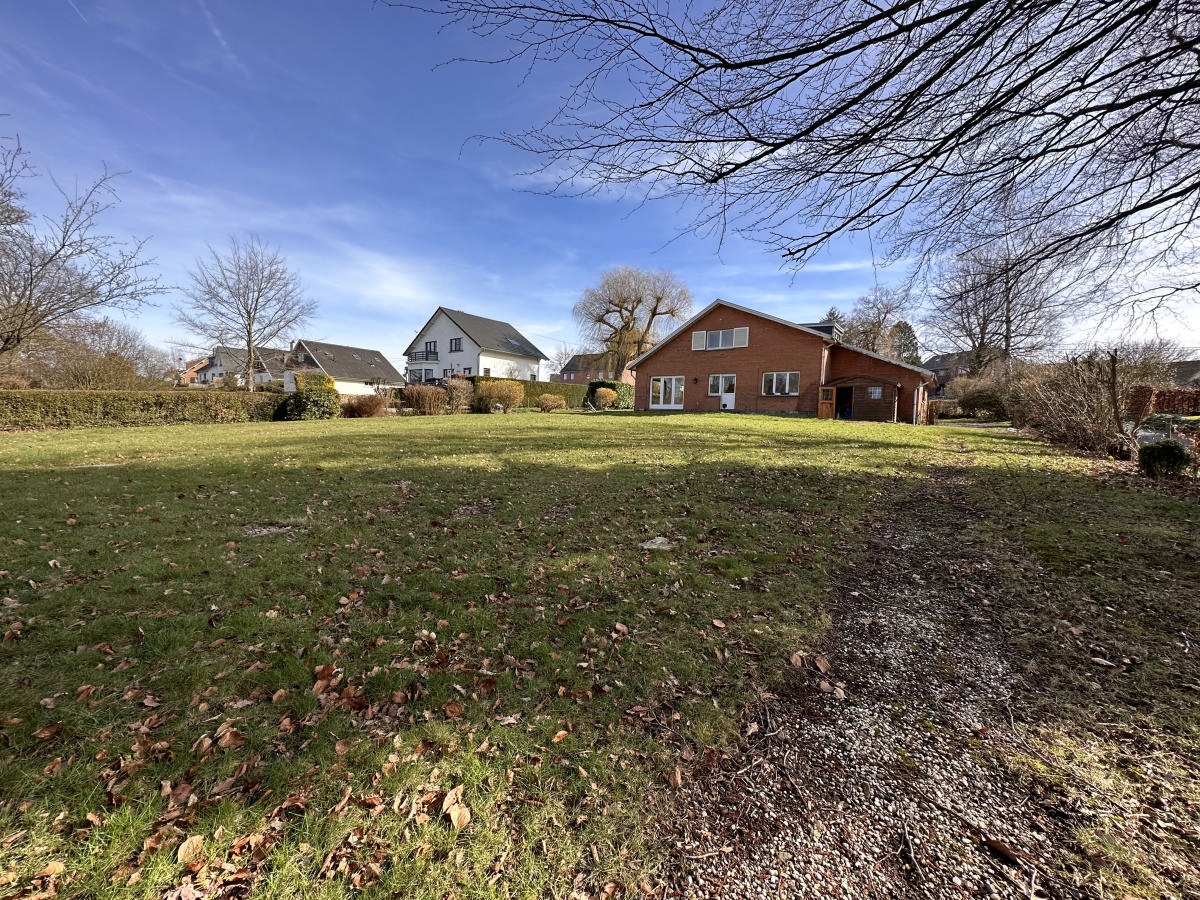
(781,383)
(724,339)
(666,392)
(874,392)
(721,384)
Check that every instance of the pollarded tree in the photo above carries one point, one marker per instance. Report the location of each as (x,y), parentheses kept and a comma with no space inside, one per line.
(247,298)
(630,310)
(797,121)
(57,269)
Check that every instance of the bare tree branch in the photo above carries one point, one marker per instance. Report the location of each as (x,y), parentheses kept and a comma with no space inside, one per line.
(796,121)
(628,311)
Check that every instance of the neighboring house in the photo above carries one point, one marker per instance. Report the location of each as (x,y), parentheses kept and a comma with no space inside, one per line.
(732,358)
(268,365)
(586,367)
(1187,374)
(354,370)
(458,343)
(191,369)
(948,366)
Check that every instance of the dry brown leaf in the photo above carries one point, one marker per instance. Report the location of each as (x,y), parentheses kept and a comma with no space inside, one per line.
(342,747)
(231,738)
(190,849)
(1101,661)
(453,709)
(52,870)
(717,623)
(798,659)
(822,665)
(47,731)
(675,777)
(560,736)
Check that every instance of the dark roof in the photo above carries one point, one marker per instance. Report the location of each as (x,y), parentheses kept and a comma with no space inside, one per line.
(583,362)
(489,334)
(349,363)
(948,360)
(271,359)
(1187,373)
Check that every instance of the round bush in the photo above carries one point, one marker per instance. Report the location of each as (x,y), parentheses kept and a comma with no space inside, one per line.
(551,402)
(1164,459)
(312,403)
(983,402)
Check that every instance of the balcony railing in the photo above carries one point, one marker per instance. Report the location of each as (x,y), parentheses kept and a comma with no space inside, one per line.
(423,356)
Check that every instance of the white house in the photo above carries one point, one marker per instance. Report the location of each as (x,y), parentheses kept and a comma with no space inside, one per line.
(268,365)
(354,370)
(458,343)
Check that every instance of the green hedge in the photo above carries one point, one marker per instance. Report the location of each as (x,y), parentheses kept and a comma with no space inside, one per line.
(573,394)
(35,409)
(624,393)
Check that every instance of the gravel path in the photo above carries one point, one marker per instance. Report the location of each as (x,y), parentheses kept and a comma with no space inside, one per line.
(880,774)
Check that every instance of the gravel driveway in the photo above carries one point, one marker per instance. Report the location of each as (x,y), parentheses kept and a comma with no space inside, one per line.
(880,773)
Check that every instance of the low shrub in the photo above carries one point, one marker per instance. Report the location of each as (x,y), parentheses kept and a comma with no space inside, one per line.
(504,393)
(1164,459)
(365,406)
(313,379)
(623,391)
(311,403)
(984,402)
(33,409)
(425,399)
(605,397)
(551,402)
(459,393)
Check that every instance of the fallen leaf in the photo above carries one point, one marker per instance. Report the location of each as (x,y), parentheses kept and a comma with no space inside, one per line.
(52,869)
(47,731)
(190,849)
(453,709)
(342,747)
(717,623)
(1101,661)
(822,665)
(560,736)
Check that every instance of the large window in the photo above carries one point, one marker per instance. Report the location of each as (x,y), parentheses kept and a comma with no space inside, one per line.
(666,392)
(781,383)
(724,339)
(456,345)
(721,384)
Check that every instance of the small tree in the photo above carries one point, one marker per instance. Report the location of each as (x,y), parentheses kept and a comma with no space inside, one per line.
(628,311)
(459,393)
(245,298)
(605,397)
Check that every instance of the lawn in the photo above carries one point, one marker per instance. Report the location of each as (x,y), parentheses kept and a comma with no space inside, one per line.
(472,656)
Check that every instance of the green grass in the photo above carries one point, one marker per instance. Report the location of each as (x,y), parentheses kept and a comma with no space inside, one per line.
(289,642)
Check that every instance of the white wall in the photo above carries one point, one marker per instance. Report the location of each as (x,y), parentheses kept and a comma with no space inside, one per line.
(500,363)
(442,330)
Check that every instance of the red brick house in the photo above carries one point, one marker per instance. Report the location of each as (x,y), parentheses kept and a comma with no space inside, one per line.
(732,358)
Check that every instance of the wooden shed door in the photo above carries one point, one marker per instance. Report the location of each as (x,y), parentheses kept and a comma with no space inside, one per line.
(825,404)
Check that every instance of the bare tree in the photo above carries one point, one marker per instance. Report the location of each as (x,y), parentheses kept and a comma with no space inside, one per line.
(244,298)
(92,354)
(564,354)
(871,321)
(797,121)
(995,308)
(54,269)
(627,312)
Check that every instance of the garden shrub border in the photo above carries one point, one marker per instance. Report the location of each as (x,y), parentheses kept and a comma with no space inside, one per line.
(32,410)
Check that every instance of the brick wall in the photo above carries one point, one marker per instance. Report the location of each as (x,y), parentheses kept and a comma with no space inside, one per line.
(845,362)
(771,347)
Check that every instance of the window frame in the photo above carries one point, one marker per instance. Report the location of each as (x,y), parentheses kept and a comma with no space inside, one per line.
(456,345)
(725,338)
(788,378)
(874,392)
(678,386)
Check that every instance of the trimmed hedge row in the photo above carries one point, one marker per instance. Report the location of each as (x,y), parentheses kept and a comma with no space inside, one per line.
(37,409)
(573,394)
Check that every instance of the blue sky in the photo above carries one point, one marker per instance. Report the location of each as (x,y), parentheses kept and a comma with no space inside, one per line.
(329,129)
